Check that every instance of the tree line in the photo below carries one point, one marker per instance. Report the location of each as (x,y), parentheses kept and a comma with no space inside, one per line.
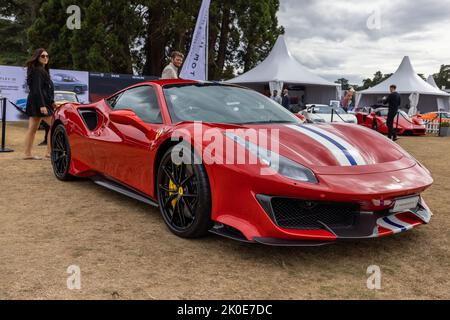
(126,36)
(132,36)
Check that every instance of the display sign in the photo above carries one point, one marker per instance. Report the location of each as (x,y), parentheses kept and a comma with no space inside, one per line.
(103,85)
(14,87)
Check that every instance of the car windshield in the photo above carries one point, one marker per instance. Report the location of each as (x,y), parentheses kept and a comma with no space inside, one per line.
(382,112)
(222,104)
(65,97)
(404,114)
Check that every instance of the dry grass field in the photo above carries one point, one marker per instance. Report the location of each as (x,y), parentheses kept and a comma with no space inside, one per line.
(124,250)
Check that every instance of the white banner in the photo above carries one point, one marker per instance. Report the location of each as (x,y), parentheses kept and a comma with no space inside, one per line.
(14,87)
(413,102)
(196,65)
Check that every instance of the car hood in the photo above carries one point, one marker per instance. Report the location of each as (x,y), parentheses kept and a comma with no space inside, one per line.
(337,148)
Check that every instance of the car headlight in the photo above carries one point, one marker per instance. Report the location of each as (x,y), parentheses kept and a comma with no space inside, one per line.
(277,162)
(295,171)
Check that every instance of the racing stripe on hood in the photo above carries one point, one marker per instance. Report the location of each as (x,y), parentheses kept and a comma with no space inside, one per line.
(345,153)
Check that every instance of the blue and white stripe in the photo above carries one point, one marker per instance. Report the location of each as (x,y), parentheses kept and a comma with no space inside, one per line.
(394,224)
(345,153)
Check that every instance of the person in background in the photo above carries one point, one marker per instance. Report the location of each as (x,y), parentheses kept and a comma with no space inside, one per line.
(393,101)
(286,101)
(275,97)
(40,102)
(47,129)
(348,99)
(171,70)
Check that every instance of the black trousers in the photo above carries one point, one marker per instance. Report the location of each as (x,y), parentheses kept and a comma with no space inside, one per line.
(391,118)
(47,129)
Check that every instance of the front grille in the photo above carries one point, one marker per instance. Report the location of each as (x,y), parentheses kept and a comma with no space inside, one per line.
(311,215)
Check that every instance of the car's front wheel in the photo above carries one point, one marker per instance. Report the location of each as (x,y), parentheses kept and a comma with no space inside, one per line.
(61,154)
(184,193)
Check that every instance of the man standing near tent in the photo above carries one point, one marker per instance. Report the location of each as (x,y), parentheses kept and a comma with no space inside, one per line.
(286,101)
(275,97)
(171,70)
(394,101)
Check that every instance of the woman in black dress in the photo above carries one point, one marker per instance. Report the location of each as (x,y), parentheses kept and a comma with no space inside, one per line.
(40,103)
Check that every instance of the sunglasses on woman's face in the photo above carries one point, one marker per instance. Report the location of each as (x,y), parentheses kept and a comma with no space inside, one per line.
(44,56)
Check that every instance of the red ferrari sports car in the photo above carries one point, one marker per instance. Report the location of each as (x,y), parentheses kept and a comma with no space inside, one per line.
(405,125)
(164,143)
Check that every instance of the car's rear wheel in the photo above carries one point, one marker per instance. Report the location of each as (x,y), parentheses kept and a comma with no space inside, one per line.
(184,194)
(61,154)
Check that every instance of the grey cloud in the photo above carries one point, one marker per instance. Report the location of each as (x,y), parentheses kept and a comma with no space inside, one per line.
(334,20)
(330,37)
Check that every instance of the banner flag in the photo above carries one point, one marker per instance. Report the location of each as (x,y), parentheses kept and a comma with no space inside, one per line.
(196,65)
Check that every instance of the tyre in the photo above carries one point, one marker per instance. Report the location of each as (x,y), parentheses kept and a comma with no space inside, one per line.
(77,90)
(61,155)
(184,193)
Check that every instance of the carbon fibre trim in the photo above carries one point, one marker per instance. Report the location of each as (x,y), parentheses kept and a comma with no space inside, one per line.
(292,243)
(228,232)
(122,189)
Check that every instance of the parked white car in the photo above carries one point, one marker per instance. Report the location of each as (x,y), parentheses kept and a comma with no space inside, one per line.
(317,113)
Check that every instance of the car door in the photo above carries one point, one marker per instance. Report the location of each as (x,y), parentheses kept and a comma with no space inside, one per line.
(124,149)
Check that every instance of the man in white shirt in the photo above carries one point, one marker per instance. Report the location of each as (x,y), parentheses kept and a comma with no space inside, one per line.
(275,97)
(171,70)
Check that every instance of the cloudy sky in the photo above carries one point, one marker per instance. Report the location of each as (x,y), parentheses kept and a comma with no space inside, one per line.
(354,39)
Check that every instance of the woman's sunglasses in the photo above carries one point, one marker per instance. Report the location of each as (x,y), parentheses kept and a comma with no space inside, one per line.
(43,56)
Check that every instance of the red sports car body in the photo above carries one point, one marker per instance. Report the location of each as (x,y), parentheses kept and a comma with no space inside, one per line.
(404,125)
(310,184)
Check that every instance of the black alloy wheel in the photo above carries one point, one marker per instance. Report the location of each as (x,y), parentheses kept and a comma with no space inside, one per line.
(60,154)
(184,194)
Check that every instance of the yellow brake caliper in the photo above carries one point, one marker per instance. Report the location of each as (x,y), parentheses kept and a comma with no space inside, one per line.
(173,187)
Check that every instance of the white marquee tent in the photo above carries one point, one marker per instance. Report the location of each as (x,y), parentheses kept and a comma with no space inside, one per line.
(431,81)
(280,69)
(408,82)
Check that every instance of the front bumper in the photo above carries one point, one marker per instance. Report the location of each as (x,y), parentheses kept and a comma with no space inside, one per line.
(235,203)
(344,221)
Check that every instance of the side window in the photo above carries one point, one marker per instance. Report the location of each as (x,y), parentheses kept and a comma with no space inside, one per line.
(142,100)
(112,101)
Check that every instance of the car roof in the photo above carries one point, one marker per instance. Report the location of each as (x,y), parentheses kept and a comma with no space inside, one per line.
(167,82)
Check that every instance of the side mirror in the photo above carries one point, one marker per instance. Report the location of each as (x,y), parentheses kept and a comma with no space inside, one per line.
(128,117)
